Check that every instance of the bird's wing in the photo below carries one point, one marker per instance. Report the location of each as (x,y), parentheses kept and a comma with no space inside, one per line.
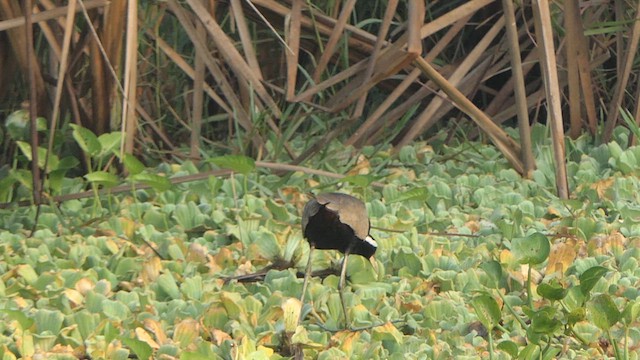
(350,210)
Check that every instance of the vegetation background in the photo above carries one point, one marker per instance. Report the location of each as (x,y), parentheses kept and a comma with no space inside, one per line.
(152,149)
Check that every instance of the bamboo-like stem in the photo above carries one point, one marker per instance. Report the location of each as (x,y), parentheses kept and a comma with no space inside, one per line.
(520,93)
(544,34)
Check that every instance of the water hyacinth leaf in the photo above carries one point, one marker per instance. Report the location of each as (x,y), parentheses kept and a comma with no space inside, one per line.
(417,193)
(186,332)
(603,311)
(102,178)
(192,287)
(552,291)
(533,249)
(19,316)
(87,323)
(48,321)
(238,163)
(387,332)
(301,337)
(267,244)
(487,310)
(168,285)
(291,309)
(231,302)
(115,310)
(86,139)
(27,272)
(140,348)
(590,277)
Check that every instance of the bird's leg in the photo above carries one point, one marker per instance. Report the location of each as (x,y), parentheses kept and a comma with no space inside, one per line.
(343,273)
(306,280)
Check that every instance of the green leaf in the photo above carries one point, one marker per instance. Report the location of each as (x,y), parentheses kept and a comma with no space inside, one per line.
(533,249)
(577,315)
(487,310)
(48,321)
(631,312)
(132,164)
(238,163)
(102,178)
(493,270)
(86,139)
(110,142)
(267,244)
(115,310)
(19,316)
(168,284)
(603,311)
(417,193)
(590,277)
(140,348)
(157,182)
(25,148)
(359,180)
(509,347)
(552,291)
(544,322)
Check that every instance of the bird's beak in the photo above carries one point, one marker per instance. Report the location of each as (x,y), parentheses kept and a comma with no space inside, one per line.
(374,264)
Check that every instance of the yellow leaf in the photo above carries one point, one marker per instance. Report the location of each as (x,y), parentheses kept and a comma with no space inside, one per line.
(155,327)
(602,186)
(143,335)
(562,255)
(74,296)
(363,167)
(291,313)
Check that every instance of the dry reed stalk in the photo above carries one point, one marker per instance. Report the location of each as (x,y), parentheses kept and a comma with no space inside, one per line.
(18,21)
(623,78)
(509,148)
(520,93)
(544,34)
(408,80)
(426,119)
(336,33)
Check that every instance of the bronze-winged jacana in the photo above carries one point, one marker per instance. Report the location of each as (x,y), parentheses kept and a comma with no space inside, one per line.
(340,222)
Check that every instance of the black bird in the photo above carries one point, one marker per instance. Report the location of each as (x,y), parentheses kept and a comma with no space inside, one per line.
(340,222)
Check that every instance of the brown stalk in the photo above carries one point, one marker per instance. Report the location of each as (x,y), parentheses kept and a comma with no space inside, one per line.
(245,38)
(293,40)
(382,34)
(503,142)
(232,57)
(198,99)
(623,78)
(405,84)
(129,101)
(426,119)
(336,33)
(48,14)
(237,111)
(33,109)
(544,34)
(573,74)
(526,153)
